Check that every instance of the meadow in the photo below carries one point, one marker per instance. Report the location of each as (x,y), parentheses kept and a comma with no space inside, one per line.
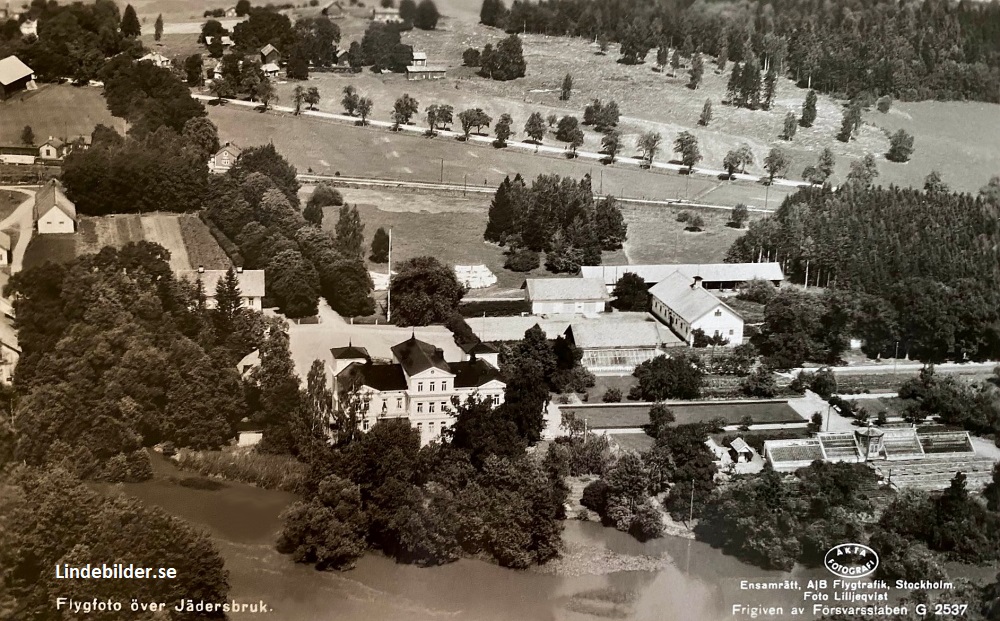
(59,110)
(626,416)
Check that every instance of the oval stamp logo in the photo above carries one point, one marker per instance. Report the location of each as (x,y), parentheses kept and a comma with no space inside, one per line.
(851,560)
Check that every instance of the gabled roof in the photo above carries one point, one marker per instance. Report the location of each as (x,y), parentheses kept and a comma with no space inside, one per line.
(270,68)
(231,149)
(51,195)
(55,142)
(423,69)
(350,353)
(12,70)
(740,446)
(610,334)
(479,347)
(251,281)
(416,356)
(267,49)
(381,377)
(155,57)
(471,374)
(710,272)
(420,56)
(689,302)
(5,241)
(555,289)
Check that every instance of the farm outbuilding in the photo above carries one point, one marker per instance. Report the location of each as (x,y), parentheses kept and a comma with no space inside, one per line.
(14,76)
(617,346)
(570,296)
(54,212)
(720,276)
(685,306)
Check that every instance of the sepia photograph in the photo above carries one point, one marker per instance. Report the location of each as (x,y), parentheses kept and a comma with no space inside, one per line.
(500,310)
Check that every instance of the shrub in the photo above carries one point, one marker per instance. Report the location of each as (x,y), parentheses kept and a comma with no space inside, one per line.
(746,422)
(824,382)
(884,103)
(494,308)
(757,290)
(760,383)
(683,216)
(646,522)
(522,260)
(280,472)
(612,395)
(595,497)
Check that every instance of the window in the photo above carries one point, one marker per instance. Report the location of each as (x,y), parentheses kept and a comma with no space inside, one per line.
(496,399)
(364,424)
(432,386)
(430,407)
(444,386)
(420,428)
(430,427)
(718,312)
(730,333)
(399,403)
(444,406)
(420,386)
(420,407)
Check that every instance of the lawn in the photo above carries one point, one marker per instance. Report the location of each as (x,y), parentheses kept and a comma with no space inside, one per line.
(614,416)
(9,201)
(655,235)
(329,147)
(58,248)
(638,442)
(59,110)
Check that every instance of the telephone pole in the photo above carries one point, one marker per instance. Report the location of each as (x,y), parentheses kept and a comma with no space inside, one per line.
(388,286)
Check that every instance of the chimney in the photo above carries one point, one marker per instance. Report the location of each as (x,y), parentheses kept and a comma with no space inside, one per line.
(697,283)
(239,269)
(439,352)
(201,269)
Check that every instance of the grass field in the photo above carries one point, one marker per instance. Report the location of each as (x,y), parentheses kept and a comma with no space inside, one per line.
(58,110)
(625,416)
(9,202)
(184,235)
(655,235)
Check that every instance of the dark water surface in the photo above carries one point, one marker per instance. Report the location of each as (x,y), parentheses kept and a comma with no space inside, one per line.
(697,584)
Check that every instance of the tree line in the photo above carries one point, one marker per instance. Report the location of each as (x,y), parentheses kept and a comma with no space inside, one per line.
(913,267)
(558,216)
(875,46)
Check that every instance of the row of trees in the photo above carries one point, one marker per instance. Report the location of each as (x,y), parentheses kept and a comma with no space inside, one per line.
(921,265)
(558,216)
(875,48)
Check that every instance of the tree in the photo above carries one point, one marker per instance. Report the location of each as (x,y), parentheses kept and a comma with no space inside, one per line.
(534,128)
(776,163)
(631,294)
(506,62)
(202,135)
(687,145)
(991,191)
(294,284)
(770,87)
(424,291)
(407,10)
(900,147)
(194,70)
(675,62)
(329,530)
(933,183)
(404,109)
(297,67)
(298,98)
(427,15)
(350,100)
(660,418)
(380,246)
(566,129)
(808,110)
(677,377)
(649,145)
(612,144)
(364,109)
(482,430)
(851,122)
(706,113)
(130,27)
(575,140)
(567,88)
(502,129)
(158,27)
(739,216)
(470,57)
(791,124)
(28,135)
(697,71)
(242,8)
(473,118)
(823,169)
(350,232)
(760,383)
(265,92)
(863,171)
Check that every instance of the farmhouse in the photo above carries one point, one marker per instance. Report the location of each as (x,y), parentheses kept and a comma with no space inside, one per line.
(575,296)
(385,15)
(619,345)
(54,213)
(270,69)
(251,283)
(224,159)
(269,54)
(5,248)
(53,149)
(419,385)
(14,76)
(682,304)
(720,276)
(158,60)
(423,72)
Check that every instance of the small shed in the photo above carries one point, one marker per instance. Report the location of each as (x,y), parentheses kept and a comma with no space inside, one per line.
(269,54)
(741,451)
(14,76)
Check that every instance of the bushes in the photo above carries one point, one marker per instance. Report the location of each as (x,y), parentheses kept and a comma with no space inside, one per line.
(232,250)
(461,329)
(522,260)
(612,395)
(595,497)
(494,308)
(280,472)
(758,290)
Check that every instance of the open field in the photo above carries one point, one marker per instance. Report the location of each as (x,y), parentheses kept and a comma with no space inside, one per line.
(172,45)
(627,416)
(655,235)
(58,110)
(9,202)
(957,139)
(184,235)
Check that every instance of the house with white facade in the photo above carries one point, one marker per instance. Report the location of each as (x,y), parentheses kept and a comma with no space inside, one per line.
(158,60)
(419,385)
(566,296)
(53,212)
(53,149)
(386,15)
(224,159)
(251,284)
(685,306)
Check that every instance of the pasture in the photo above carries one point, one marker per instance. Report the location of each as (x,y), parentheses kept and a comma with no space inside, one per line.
(59,110)
(184,235)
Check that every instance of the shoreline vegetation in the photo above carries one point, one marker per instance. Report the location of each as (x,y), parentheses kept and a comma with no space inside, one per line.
(271,472)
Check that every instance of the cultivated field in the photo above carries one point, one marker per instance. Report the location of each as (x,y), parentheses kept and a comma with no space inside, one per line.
(624,416)
(184,235)
(58,110)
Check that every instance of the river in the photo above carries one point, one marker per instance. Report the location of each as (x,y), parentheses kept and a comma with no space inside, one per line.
(694,583)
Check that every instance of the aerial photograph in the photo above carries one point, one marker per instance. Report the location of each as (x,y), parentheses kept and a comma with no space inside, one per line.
(500,310)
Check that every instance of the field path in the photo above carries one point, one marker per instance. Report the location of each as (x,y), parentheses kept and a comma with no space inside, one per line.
(165,229)
(22,217)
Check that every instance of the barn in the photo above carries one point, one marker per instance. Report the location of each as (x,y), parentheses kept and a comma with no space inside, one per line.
(14,76)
